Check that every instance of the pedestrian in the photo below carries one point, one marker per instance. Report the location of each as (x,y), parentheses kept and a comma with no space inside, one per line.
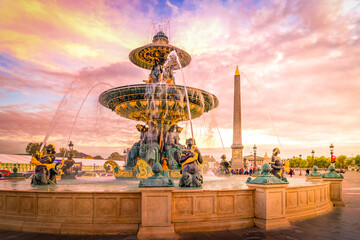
(291,172)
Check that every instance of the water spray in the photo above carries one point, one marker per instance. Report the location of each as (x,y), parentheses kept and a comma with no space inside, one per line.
(82,103)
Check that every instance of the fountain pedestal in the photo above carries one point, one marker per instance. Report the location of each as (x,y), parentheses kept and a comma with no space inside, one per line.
(335,181)
(270,197)
(335,190)
(270,206)
(156,214)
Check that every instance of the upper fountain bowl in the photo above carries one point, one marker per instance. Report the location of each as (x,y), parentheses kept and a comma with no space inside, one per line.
(159,49)
(158,102)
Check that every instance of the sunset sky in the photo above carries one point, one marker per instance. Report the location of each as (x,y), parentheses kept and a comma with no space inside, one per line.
(298,60)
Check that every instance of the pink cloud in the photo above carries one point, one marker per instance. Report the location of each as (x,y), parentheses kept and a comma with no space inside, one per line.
(300,57)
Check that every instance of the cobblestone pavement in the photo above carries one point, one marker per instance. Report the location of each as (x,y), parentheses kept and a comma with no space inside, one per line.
(341,223)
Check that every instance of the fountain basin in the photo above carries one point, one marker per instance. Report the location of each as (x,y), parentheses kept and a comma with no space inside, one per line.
(116,209)
(159,102)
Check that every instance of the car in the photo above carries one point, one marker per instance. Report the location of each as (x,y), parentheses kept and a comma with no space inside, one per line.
(5,172)
(90,174)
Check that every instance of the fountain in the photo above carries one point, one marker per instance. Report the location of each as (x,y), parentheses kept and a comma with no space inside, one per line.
(105,206)
(161,105)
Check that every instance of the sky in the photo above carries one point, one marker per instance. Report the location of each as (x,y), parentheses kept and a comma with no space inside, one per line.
(298,61)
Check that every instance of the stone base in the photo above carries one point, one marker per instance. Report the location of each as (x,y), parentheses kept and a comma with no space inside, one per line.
(313,178)
(219,225)
(157,233)
(271,223)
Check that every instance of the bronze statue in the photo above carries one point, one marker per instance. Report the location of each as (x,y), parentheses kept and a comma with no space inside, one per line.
(45,173)
(149,148)
(189,160)
(277,168)
(156,71)
(172,146)
(224,166)
(65,167)
(133,154)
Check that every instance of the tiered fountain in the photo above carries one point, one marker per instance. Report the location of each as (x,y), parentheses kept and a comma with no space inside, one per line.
(161,105)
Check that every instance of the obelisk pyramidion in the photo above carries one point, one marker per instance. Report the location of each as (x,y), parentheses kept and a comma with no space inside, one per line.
(237,147)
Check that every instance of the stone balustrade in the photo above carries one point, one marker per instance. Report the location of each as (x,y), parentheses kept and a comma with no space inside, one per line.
(126,212)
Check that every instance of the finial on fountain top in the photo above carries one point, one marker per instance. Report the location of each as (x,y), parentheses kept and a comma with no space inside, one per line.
(160,37)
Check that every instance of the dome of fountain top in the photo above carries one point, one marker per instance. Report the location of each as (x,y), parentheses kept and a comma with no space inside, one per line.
(159,49)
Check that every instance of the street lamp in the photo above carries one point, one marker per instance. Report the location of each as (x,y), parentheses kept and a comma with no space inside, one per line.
(300,165)
(254,148)
(332,152)
(71,146)
(313,155)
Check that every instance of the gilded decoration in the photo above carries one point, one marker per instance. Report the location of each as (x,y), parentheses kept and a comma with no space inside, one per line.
(143,169)
(175,174)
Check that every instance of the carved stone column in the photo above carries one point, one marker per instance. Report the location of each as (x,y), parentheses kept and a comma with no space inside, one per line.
(270,197)
(335,180)
(156,213)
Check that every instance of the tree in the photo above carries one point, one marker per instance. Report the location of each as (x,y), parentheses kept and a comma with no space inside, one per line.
(98,157)
(63,151)
(357,160)
(348,162)
(32,147)
(340,161)
(115,156)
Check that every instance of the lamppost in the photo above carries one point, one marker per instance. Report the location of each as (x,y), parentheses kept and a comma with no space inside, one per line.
(71,146)
(332,152)
(254,148)
(300,165)
(313,155)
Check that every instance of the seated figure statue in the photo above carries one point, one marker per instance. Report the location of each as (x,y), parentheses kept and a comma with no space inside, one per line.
(190,159)
(276,165)
(45,173)
(65,167)
(149,147)
(155,73)
(135,149)
(224,166)
(172,146)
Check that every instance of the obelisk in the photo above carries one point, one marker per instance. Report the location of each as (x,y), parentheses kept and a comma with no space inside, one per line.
(237,147)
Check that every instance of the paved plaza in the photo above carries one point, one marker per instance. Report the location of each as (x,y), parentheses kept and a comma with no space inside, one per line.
(341,223)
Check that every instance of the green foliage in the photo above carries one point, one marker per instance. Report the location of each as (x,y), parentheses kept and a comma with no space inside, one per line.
(340,161)
(98,157)
(32,147)
(65,150)
(115,156)
(357,160)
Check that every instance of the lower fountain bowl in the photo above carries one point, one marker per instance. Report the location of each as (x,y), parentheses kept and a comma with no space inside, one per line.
(158,102)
